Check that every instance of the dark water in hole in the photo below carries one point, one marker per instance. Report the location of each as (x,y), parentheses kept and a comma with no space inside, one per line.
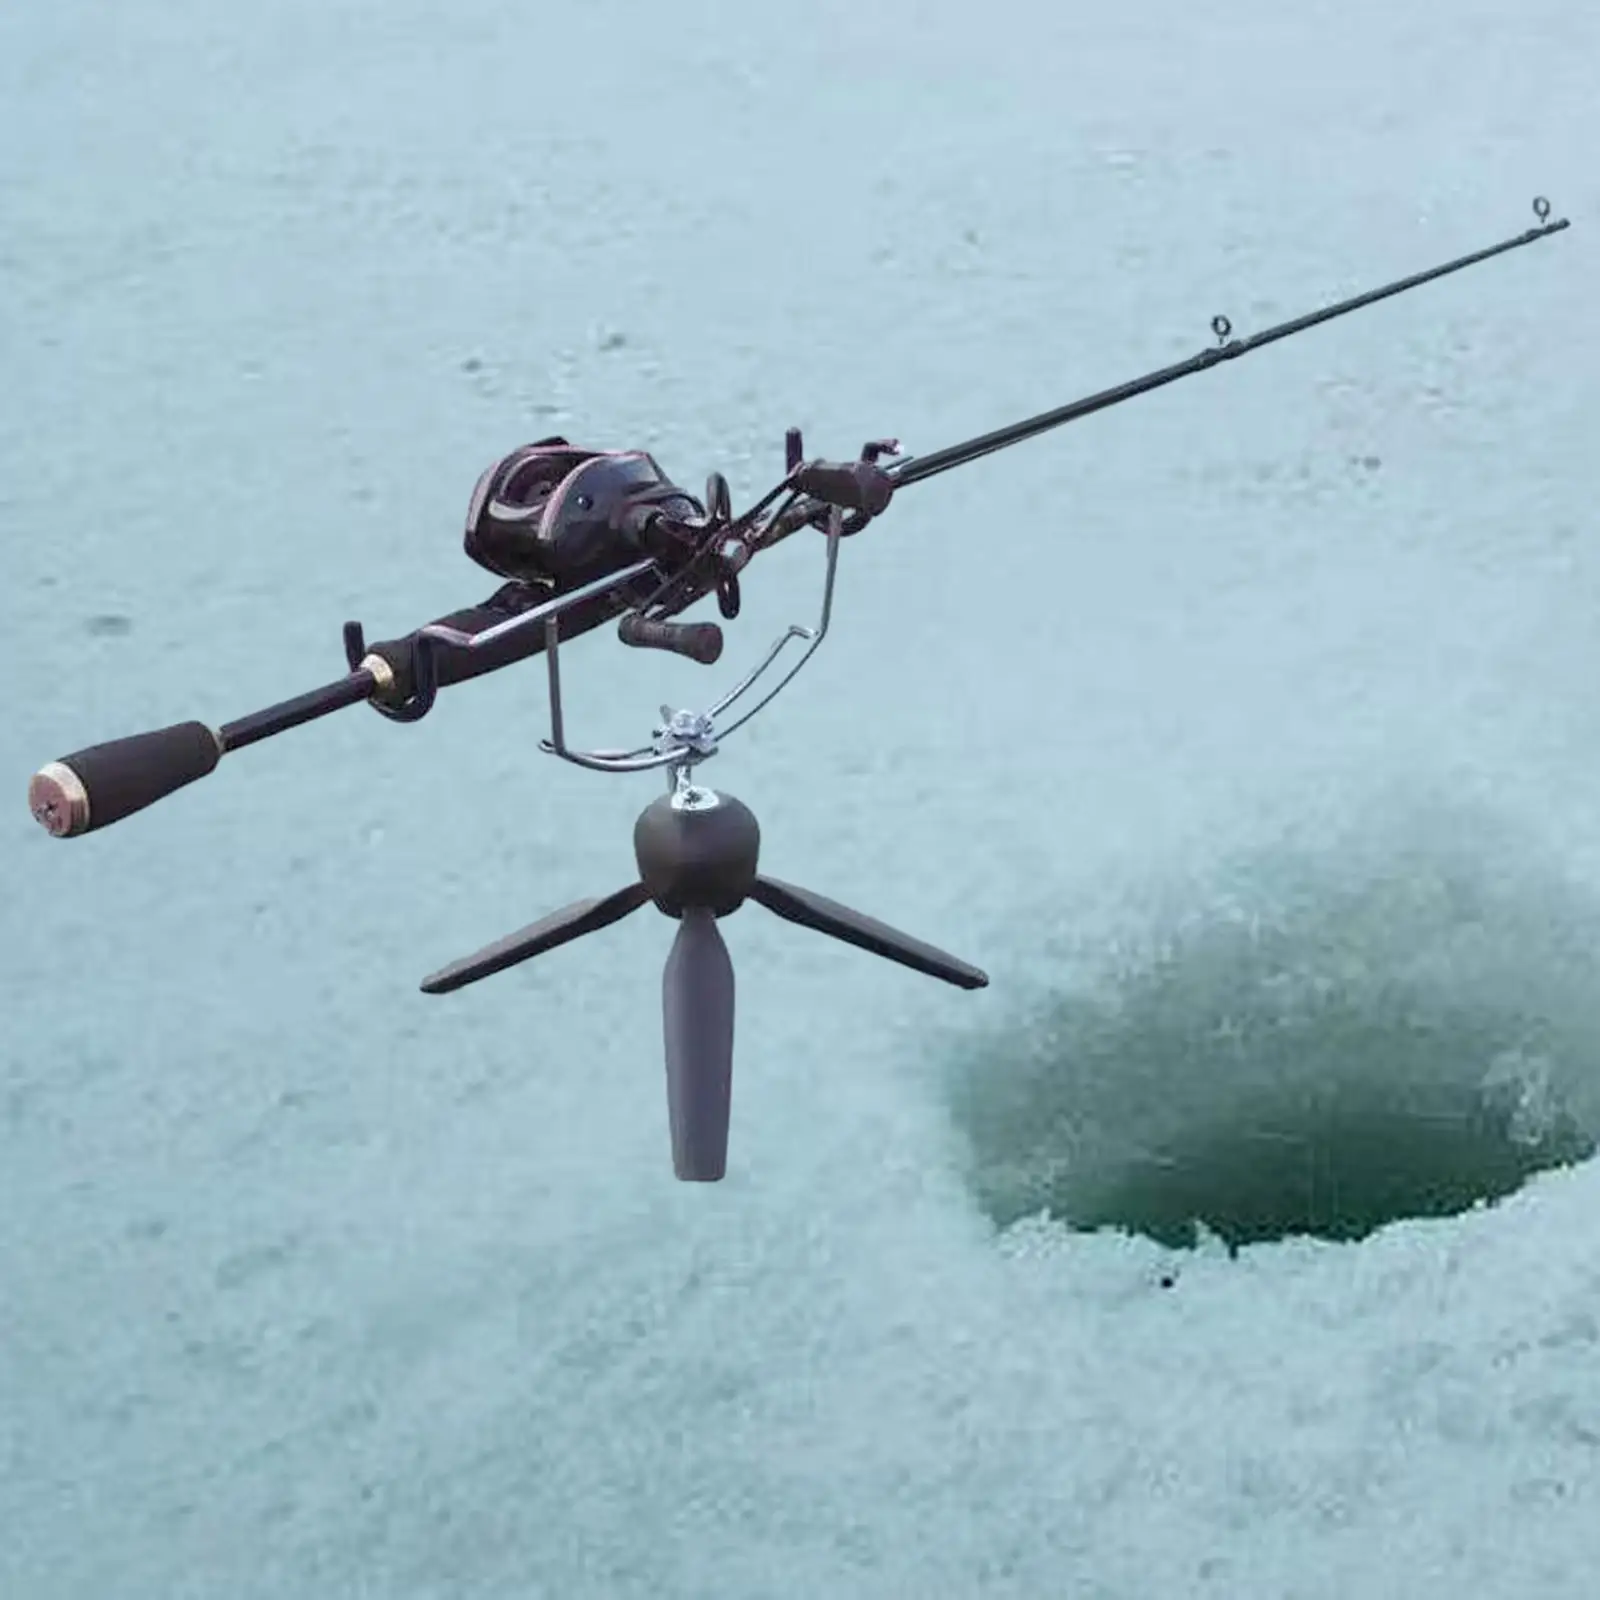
(1404,1026)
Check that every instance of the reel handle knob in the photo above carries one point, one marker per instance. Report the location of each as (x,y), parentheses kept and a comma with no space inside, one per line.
(699,641)
(105,783)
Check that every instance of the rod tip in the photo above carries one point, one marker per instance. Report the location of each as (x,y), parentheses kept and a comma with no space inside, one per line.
(58,800)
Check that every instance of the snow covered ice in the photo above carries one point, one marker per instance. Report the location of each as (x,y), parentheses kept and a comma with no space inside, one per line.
(1245,735)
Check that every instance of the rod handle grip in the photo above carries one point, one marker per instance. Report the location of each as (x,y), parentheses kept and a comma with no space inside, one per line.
(95,787)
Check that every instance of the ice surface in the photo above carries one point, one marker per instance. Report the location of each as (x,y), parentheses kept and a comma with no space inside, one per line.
(314,1286)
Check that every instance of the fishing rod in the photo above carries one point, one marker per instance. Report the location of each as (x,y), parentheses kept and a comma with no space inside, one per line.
(584,537)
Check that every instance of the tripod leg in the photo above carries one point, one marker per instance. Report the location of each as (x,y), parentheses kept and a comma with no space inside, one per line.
(697,1009)
(866,933)
(560,927)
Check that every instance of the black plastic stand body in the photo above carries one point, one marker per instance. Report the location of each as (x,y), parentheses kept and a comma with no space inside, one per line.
(698,853)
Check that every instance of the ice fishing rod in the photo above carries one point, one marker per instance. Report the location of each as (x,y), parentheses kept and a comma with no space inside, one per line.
(586,536)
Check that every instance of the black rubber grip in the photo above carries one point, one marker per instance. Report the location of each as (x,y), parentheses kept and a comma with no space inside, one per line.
(851,485)
(126,775)
(700,641)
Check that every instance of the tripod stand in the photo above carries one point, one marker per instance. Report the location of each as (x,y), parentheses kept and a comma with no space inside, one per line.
(697,852)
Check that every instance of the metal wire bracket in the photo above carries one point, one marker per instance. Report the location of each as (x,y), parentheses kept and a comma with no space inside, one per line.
(684,738)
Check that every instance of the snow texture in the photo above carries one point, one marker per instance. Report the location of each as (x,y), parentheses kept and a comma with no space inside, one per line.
(1245,735)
